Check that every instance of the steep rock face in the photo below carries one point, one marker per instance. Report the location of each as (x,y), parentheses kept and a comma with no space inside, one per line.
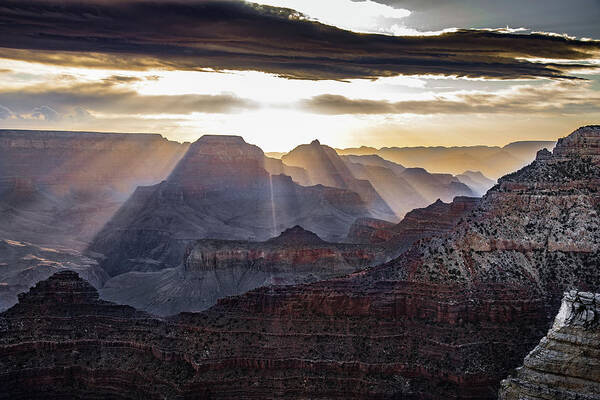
(62,187)
(566,362)
(433,220)
(585,141)
(324,166)
(448,319)
(224,162)
(60,341)
(219,190)
(214,269)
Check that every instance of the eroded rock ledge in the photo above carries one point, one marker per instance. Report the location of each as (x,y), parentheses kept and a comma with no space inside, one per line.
(566,363)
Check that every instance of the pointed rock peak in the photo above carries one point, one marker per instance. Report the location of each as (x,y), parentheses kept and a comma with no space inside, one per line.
(315,142)
(543,154)
(585,141)
(64,287)
(296,236)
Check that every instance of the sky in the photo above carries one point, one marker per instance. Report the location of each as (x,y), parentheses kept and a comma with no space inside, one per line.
(284,72)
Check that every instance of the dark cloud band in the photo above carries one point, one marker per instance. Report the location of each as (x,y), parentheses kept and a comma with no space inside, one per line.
(567,97)
(240,36)
(107,98)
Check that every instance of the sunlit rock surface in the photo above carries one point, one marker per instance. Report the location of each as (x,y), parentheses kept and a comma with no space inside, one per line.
(448,319)
(566,362)
(62,187)
(219,190)
(324,166)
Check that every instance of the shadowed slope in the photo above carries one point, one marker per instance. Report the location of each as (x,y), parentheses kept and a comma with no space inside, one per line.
(213,269)
(324,166)
(220,190)
(449,319)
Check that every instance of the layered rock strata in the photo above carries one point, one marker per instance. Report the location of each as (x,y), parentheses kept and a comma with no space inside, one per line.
(214,269)
(219,190)
(422,223)
(566,362)
(448,319)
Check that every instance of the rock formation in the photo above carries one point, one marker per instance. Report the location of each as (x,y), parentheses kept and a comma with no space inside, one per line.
(62,187)
(433,220)
(492,161)
(24,264)
(405,189)
(71,161)
(566,363)
(324,166)
(220,190)
(448,319)
(214,269)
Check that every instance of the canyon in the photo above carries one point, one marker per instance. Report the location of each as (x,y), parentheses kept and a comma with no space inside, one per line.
(448,318)
(110,204)
(492,161)
(220,190)
(213,269)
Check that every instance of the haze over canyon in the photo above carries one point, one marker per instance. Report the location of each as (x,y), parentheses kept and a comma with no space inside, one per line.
(300,199)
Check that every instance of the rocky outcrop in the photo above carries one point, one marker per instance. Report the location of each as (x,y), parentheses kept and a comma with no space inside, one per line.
(219,190)
(584,142)
(61,341)
(214,269)
(294,251)
(324,166)
(422,223)
(448,319)
(566,362)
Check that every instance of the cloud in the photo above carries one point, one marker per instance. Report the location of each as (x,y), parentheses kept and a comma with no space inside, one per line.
(233,35)
(108,97)
(556,97)
(45,113)
(5,113)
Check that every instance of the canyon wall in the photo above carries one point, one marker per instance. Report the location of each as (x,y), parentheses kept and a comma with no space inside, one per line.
(449,318)
(566,362)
